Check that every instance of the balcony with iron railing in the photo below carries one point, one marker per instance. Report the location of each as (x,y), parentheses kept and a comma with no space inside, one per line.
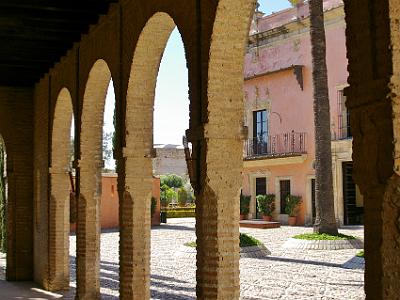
(275,146)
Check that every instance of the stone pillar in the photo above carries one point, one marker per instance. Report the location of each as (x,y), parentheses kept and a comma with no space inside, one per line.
(373,103)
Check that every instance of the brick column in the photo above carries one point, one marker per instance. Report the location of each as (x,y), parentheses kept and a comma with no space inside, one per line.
(89,169)
(59,231)
(135,229)
(219,149)
(373,51)
(217,221)
(135,198)
(88,232)
(59,227)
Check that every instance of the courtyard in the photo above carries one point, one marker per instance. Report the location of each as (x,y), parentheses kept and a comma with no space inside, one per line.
(285,274)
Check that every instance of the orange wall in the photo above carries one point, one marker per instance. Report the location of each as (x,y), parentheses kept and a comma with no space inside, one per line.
(110,204)
(109,208)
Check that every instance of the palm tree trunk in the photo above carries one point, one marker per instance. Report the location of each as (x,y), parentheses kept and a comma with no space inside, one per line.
(325,221)
(3,223)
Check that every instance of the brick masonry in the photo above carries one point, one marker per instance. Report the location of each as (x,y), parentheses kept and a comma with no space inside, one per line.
(214,34)
(372,44)
(16,127)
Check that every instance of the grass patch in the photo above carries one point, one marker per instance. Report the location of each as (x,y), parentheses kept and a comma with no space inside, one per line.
(323,236)
(191,244)
(245,241)
(248,241)
(360,254)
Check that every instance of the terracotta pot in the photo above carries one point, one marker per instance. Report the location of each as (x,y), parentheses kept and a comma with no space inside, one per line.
(292,221)
(243,217)
(267,218)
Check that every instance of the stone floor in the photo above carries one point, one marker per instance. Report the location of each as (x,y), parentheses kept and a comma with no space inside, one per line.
(285,274)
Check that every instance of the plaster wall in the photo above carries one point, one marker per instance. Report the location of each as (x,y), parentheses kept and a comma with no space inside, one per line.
(276,89)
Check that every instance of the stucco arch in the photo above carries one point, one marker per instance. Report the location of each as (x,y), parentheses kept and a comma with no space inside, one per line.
(135,218)
(90,166)
(58,267)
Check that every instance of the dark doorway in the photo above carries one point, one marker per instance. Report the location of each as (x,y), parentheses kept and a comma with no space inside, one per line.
(261,189)
(313,200)
(353,209)
(284,191)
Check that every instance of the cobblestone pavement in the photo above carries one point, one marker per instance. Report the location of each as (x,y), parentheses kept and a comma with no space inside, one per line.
(285,274)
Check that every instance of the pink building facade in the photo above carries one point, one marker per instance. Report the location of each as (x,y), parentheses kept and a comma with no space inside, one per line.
(279,152)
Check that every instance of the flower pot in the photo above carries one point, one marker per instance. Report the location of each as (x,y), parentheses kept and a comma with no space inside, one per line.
(243,217)
(292,221)
(267,218)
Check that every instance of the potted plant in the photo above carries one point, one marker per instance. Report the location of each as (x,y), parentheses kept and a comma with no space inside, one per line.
(244,206)
(291,208)
(266,205)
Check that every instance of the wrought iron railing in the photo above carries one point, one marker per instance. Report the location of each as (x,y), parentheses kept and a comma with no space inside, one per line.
(284,144)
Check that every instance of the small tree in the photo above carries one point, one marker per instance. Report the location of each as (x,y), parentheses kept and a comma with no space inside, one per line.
(182,196)
(163,195)
(172,180)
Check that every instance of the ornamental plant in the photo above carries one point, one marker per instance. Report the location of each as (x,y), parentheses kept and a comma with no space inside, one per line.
(182,196)
(244,204)
(266,204)
(153,205)
(292,205)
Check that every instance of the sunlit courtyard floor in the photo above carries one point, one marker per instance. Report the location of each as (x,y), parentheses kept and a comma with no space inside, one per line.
(285,274)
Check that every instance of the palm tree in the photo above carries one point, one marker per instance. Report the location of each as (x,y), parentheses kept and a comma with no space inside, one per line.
(325,221)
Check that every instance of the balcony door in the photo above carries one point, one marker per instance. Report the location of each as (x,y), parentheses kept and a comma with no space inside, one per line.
(260,131)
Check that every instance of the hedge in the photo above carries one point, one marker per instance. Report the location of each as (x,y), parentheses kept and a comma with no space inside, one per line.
(180,212)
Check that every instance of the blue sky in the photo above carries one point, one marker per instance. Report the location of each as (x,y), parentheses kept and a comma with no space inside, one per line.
(171,111)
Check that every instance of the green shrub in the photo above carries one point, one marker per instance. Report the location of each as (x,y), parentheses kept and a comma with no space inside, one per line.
(153,205)
(292,203)
(182,197)
(244,204)
(180,212)
(266,204)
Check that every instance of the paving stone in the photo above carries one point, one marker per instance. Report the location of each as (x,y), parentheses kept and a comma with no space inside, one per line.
(284,274)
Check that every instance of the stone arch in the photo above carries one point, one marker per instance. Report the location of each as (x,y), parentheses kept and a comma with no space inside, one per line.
(220,181)
(59,206)
(135,218)
(90,166)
